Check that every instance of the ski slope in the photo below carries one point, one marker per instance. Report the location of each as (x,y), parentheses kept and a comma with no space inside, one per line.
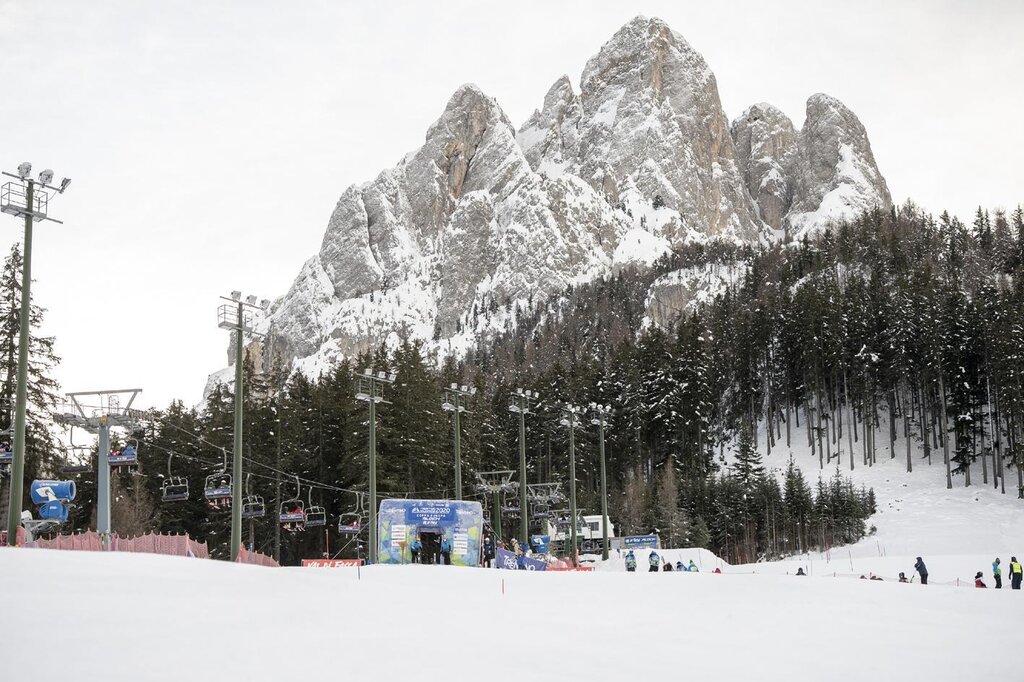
(121,617)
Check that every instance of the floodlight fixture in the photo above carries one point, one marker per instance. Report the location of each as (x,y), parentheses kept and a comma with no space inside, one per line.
(391,377)
(46,177)
(454,386)
(519,391)
(25,170)
(368,372)
(380,375)
(250,299)
(236,295)
(64,185)
(265,303)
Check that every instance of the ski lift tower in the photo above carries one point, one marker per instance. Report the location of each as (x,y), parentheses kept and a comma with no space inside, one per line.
(495,483)
(96,412)
(370,389)
(454,398)
(571,418)
(29,199)
(519,403)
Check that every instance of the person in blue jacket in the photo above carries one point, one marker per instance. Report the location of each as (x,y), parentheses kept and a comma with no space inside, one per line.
(416,547)
(488,551)
(997,574)
(655,561)
(446,551)
(922,570)
(680,566)
(630,562)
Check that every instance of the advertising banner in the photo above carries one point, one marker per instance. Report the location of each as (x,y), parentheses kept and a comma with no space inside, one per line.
(332,563)
(528,564)
(641,542)
(506,560)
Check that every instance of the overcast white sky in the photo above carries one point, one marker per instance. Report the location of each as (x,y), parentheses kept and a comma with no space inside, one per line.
(209,141)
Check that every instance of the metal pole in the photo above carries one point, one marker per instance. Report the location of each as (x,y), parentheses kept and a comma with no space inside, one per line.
(21,399)
(497,513)
(371,552)
(572,481)
(604,491)
(236,479)
(103,491)
(524,528)
(458,449)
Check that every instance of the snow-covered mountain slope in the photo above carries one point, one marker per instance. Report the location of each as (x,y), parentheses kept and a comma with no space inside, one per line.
(130,617)
(639,160)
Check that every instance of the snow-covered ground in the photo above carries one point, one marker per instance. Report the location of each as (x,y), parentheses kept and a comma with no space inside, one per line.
(116,617)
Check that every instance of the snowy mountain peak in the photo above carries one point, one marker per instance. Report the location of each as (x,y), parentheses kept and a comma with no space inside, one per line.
(636,160)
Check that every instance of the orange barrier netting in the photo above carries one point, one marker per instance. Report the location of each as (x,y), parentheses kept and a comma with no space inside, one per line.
(247,557)
(151,543)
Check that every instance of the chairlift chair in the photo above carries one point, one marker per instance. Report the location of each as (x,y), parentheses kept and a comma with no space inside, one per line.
(74,464)
(174,488)
(253,506)
(292,514)
(6,456)
(315,514)
(349,524)
(125,459)
(217,490)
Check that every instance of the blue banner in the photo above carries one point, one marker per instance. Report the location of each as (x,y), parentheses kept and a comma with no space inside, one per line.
(400,523)
(506,560)
(529,564)
(641,542)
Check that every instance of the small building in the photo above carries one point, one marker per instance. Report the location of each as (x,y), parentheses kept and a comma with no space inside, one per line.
(431,521)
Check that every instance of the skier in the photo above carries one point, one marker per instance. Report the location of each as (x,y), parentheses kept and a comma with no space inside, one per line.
(692,568)
(1015,573)
(416,547)
(679,566)
(922,570)
(978,582)
(446,552)
(630,562)
(654,560)
(668,566)
(997,574)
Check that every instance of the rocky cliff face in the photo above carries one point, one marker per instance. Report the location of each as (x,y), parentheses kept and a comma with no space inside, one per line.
(639,159)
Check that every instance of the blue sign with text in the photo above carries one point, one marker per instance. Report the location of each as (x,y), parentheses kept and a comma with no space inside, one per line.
(506,560)
(641,542)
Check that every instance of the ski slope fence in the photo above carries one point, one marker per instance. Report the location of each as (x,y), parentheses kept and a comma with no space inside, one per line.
(151,543)
(255,558)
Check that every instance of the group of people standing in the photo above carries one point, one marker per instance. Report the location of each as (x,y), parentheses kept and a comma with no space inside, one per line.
(1016,574)
(443,555)
(654,562)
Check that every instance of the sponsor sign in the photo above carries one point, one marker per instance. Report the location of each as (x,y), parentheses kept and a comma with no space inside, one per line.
(641,542)
(528,564)
(331,563)
(583,569)
(506,560)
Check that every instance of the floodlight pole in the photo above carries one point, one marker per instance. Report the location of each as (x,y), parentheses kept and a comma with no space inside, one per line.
(521,403)
(599,421)
(29,213)
(569,419)
(21,395)
(236,469)
(240,326)
(453,402)
(374,385)
(103,481)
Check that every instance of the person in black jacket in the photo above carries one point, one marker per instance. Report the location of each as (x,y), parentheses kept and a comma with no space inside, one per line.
(922,570)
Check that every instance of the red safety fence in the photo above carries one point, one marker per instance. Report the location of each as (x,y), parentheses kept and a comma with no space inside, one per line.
(151,543)
(255,558)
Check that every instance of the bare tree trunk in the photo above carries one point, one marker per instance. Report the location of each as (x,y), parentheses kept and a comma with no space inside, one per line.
(852,426)
(942,431)
(906,428)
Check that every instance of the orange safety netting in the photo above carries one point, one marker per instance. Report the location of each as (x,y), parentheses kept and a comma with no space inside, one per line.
(151,543)
(247,557)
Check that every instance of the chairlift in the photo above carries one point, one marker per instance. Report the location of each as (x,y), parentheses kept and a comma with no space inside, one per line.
(174,488)
(315,514)
(125,459)
(6,456)
(350,524)
(252,505)
(73,463)
(292,514)
(217,490)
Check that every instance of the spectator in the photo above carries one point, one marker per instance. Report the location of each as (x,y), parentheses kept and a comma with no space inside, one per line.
(416,547)
(488,551)
(630,562)
(679,566)
(446,551)
(800,571)
(1015,573)
(692,568)
(654,560)
(922,570)
(903,577)
(978,582)
(997,574)
(668,566)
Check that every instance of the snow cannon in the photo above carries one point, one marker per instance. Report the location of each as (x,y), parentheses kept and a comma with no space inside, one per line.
(54,511)
(53,491)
